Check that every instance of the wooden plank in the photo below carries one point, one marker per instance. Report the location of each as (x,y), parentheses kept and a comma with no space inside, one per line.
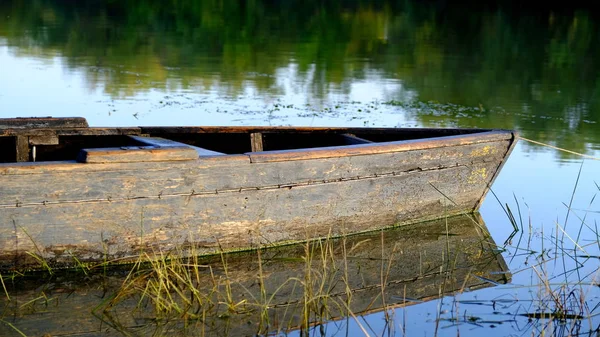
(256,141)
(99,131)
(22,149)
(28,183)
(72,131)
(65,166)
(157,131)
(51,139)
(237,219)
(373,148)
(136,154)
(42,122)
(162,142)
(432,132)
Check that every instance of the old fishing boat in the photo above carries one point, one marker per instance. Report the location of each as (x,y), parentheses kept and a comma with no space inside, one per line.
(69,192)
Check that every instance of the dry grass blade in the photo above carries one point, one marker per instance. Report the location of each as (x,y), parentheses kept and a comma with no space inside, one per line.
(38,256)
(4,287)
(570,238)
(14,328)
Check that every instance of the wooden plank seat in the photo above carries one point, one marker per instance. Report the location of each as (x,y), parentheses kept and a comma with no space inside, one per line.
(150,149)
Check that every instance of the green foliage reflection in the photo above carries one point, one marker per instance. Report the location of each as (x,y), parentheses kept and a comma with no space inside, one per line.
(534,70)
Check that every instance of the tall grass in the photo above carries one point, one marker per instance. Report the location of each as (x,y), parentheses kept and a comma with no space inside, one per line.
(177,287)
(312,288)
(561,262)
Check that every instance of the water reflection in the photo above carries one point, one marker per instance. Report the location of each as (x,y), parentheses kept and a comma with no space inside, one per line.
(534,70)
(351,63)
(293,287)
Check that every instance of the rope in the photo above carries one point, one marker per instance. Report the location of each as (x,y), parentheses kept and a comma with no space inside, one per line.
(560,149)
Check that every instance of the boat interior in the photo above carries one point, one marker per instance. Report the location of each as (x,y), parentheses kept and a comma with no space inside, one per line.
(60,139)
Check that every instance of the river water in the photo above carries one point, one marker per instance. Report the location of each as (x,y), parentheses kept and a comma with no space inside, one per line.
(357,63)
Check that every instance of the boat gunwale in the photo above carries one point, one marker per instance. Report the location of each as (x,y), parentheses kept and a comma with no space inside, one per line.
(381,147)
(373,148)
(300,129)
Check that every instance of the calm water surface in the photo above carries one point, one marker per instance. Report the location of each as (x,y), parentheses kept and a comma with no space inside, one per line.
(355,63)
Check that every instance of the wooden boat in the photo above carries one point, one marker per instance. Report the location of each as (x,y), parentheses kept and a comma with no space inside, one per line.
(69,192)
(360,274)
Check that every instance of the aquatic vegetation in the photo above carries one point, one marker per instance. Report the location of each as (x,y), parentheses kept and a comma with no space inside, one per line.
(300,287)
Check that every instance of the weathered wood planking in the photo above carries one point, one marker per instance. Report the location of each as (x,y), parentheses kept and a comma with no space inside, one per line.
(166,143)
(371,149)
(256,141)
(22,185)
(94,231)
(70,132)
(422,261)
(410,133)
(132,154)
(22,145)
(39,128)
(135,190)
(43,122)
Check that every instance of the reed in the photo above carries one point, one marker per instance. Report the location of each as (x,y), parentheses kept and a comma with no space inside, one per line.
(4,287)
(562,269)
(178,290)
(174,286)
(13,328)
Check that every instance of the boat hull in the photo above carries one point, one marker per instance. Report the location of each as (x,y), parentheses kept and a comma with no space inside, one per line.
(69,212)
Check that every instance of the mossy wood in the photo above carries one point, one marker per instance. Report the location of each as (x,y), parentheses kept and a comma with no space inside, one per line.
(69,192)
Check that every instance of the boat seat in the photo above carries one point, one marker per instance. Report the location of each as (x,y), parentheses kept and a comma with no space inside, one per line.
(150,149)
(163,142)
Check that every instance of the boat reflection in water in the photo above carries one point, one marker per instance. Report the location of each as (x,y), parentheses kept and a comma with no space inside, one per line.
(278,289)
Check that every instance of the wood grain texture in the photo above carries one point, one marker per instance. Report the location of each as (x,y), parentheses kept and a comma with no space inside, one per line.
(237,220)
(368,149)
(22,149)
(256,141)
(132,154)
(404,133)
(161,194)
(162,142)
(49,139)
(74,182)
(42,122)
(70,131)
(420,132)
